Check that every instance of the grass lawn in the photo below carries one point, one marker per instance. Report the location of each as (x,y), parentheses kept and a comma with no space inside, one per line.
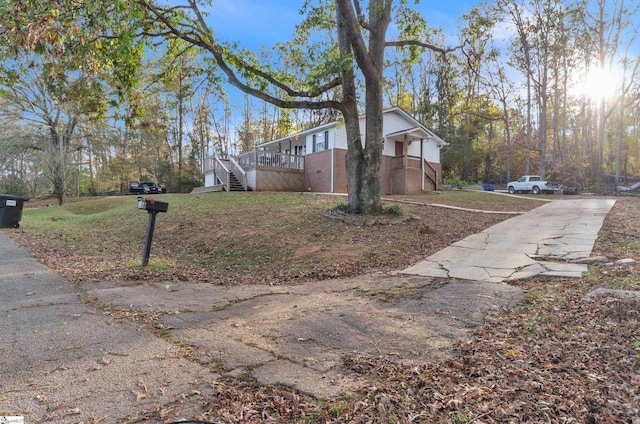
(241,238)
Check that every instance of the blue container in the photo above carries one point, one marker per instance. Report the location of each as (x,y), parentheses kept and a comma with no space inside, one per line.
(489,187)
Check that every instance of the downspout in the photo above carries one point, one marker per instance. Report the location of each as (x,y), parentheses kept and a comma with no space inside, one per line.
(422,161)
(333,165)
(333,153)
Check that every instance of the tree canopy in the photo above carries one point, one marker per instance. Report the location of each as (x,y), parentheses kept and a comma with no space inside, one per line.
(146,82)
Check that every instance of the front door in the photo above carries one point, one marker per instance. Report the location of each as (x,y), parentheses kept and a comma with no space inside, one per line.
(399,148)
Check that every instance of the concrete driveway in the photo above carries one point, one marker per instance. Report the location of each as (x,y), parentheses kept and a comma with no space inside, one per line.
(111,351)
(545,241)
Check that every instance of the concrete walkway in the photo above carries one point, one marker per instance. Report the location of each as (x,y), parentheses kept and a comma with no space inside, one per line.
(543,241)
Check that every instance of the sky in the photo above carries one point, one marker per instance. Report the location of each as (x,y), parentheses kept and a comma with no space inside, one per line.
(257,23)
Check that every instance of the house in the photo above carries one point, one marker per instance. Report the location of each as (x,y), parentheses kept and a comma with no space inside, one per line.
(314,160)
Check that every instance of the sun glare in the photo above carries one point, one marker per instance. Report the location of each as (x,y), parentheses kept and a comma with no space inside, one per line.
(600,83)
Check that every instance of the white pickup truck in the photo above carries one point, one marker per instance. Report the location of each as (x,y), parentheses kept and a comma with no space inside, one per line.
(533,184)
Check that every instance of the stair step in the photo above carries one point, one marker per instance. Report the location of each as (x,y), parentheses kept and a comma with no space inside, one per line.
(211,189)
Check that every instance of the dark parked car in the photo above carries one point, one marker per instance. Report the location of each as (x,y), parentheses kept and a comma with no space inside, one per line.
(144,188)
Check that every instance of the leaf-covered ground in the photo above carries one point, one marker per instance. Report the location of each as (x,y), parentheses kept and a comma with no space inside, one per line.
(560,358)
(256,238)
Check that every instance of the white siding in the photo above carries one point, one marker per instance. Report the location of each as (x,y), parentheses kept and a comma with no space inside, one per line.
(431,152)
(393,123)
(414,148)
(308,144)
(340,137)
(251,179)
(209,180)
(320,137)
(389,148)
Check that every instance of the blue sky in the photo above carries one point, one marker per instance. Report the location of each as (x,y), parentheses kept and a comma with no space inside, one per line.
(258,23)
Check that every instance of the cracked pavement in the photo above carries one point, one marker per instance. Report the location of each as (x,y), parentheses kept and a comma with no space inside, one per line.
(546,241)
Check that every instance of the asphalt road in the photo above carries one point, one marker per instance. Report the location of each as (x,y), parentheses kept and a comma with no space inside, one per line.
(63,361)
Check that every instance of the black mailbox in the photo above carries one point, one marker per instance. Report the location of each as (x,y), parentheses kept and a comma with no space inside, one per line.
(152,205)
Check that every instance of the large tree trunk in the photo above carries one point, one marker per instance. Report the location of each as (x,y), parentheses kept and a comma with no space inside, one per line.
(374,141)
(355,150)
(363,165)
(543,129)
(507,130)
(602,122)
(60,149)
(57,164)
(59,186)
(58,170)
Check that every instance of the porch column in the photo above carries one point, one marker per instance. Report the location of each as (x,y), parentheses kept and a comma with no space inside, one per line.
(405,151)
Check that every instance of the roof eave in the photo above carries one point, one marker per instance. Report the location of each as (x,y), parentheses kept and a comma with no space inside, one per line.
(300,134)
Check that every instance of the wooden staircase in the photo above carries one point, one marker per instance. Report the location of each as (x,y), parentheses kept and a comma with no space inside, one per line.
(235,184)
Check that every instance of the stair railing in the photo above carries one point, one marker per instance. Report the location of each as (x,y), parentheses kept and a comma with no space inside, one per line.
(431,173)
(237,170)
(222,173)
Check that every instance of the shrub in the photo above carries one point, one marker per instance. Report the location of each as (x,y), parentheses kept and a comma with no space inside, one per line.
(455,180)
(395,210)
(340,208)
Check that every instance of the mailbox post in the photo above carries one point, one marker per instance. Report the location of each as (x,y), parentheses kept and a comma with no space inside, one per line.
(152,207)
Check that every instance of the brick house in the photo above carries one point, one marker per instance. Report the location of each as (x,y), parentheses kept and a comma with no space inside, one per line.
(314,160)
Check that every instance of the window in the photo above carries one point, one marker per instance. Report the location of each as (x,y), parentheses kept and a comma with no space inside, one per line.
(320,142)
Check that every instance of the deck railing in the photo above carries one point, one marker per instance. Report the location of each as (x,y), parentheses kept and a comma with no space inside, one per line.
(252,160)
(247,161)
(403,162)
(209,164)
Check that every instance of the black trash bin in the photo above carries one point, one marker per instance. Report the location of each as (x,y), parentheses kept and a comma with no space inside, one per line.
(10,210)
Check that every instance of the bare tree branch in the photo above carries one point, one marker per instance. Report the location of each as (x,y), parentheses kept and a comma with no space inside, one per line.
(357,42)
(361,19)
(416,43)
(200,35)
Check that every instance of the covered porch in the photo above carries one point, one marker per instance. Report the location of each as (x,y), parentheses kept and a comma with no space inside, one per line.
(410,170)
